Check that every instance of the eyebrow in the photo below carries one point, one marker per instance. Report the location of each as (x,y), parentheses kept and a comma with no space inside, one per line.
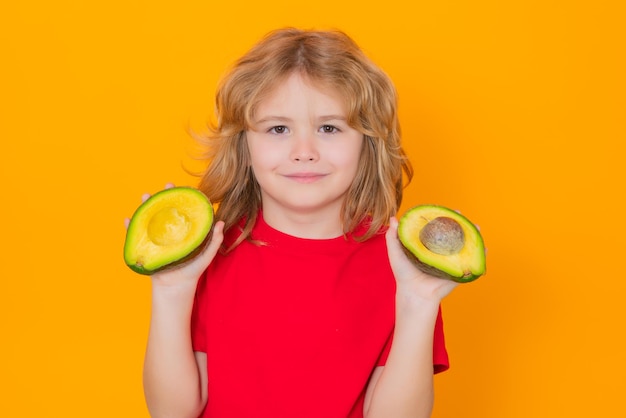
(333,117)
(270,118)
(322,118)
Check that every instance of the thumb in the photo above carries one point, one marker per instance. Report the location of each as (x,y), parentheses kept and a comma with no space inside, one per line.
(217,237)
(394,246)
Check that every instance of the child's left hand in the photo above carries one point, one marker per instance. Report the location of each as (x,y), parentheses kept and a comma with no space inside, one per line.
(409,279)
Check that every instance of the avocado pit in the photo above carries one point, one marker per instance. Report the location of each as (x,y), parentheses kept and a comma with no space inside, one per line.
(443,235)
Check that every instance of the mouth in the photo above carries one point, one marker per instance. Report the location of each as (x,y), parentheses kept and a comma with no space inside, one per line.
(305,177)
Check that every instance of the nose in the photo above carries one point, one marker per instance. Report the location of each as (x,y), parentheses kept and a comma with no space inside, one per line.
(304,148)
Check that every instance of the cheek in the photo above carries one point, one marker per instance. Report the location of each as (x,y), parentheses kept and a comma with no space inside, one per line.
(348,157)
(259,155)
(264,160)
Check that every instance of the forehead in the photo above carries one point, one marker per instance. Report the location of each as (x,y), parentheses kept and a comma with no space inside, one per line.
(297,88)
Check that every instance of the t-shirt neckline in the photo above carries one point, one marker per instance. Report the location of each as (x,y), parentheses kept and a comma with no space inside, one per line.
(271,236)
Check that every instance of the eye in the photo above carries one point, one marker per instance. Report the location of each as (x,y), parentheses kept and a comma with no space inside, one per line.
(329,129)
(280,129)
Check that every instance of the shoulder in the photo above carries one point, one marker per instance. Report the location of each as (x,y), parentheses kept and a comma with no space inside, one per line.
(376,245)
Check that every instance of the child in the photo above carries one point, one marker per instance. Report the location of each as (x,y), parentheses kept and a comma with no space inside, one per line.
(301,305)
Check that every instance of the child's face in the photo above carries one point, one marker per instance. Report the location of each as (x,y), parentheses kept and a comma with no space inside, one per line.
(303,152)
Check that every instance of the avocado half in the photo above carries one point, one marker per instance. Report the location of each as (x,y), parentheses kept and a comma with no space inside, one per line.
(168,229)
(443,243)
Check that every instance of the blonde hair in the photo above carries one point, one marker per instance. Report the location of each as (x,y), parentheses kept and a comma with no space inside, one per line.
(333,59)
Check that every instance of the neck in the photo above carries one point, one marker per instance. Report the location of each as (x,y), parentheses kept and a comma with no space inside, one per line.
(317,224)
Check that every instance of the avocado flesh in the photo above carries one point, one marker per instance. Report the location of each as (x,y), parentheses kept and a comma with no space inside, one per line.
(168,229)
(461,263)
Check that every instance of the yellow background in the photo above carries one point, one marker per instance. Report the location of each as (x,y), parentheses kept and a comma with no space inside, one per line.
(512,111)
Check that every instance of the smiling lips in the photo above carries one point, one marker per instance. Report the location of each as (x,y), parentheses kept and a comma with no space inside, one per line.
(305,177)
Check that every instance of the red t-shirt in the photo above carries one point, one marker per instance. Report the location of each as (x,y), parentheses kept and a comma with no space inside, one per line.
(295,327)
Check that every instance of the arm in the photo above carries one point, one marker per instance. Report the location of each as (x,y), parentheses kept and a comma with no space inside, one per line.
(174,376)
(404,386)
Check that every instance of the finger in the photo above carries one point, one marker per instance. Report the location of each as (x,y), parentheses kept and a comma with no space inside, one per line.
(126,222)
(145,197)
(393,243)
(169,185)
(392,231)
(217,238)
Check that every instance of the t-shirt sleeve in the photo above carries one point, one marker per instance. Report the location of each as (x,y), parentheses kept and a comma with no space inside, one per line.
(440,354)
(385,353)
(441,361)
(198,335)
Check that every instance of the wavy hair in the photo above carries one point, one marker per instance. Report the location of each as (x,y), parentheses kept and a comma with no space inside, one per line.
(332,59)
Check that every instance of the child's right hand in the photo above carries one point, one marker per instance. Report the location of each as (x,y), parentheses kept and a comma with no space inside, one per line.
(409,279)
(189,272)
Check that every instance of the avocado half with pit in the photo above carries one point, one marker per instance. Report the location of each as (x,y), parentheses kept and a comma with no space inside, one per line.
(168,229)
(443,243)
